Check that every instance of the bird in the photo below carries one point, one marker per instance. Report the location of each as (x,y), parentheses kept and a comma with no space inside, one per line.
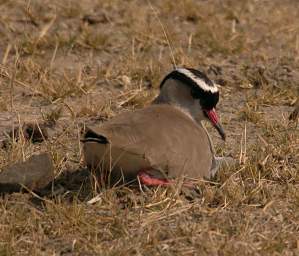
(163,141)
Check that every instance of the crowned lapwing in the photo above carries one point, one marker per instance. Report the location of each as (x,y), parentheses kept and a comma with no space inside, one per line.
(163,141)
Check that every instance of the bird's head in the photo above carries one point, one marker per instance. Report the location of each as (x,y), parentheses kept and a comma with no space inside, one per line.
(193,91)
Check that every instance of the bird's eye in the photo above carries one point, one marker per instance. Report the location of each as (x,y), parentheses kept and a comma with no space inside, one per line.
(206,104)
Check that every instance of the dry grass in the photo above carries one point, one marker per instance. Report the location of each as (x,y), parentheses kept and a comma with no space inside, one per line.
(70,63)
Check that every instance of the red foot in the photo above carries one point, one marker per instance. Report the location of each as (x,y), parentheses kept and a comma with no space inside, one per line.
(148,180)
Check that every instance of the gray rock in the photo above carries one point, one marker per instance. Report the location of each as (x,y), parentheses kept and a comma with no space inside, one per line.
(33,174)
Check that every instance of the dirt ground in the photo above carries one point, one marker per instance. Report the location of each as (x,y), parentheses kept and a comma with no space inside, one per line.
(71,63)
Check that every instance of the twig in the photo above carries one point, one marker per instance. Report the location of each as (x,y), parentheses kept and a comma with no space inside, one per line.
(164,32)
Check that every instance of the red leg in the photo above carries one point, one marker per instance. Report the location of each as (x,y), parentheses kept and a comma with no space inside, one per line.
(149,180)
(146,179)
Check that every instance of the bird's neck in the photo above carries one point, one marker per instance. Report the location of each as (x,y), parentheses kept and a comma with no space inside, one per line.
(209,138)
(186,105)
(162,99)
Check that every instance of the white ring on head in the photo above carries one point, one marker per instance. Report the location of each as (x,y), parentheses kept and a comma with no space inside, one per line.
(200,82)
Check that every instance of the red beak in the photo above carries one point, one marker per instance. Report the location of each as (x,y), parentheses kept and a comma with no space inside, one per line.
(211,114)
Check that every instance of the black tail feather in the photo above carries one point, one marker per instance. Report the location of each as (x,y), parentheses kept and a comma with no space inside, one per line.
(92,136)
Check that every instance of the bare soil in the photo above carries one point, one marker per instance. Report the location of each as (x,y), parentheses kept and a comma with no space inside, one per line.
(70,63)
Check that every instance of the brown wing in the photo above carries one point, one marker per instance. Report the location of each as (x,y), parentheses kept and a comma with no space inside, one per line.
(163,136)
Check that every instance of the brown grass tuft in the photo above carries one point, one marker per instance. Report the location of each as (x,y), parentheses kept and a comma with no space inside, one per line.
(69,63)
